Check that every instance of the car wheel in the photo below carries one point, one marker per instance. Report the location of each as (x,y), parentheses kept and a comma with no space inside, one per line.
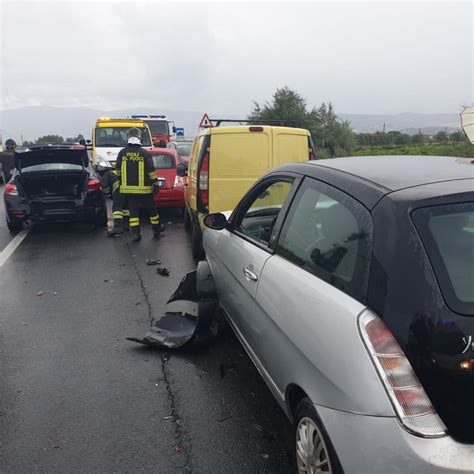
(187,220)
(14,225)
(196,243)
(313,449)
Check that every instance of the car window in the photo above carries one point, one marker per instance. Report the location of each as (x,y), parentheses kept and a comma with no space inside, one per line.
(329,234)
(50,167)
(258,219)
(164,162)
(447,233)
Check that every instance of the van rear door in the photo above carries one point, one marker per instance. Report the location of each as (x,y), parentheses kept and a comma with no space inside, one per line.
(290,145)
(239,156)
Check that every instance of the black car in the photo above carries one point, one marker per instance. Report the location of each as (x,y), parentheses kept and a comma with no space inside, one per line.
(53,183)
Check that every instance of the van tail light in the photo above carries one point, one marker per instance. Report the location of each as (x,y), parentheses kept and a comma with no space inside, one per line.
(179,182)
(93,185)
(204,180)
(311,149)
(412,405)
(11,189)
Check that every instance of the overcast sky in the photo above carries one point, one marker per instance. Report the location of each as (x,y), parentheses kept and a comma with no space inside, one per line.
(381,57)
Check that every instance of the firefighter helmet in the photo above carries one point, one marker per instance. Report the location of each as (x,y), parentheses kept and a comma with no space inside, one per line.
(10,144)
(134,136)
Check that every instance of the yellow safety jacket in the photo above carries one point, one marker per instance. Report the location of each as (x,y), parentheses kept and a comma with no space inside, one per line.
(136,170)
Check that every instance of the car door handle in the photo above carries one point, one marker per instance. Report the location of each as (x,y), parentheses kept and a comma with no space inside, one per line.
(250,274)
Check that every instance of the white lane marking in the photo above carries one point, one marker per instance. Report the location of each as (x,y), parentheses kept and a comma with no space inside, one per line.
(12,246)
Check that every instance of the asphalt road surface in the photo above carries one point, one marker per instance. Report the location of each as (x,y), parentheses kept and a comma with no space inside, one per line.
(76,396)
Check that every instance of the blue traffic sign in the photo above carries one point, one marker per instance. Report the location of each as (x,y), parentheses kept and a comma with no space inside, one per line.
(180,132)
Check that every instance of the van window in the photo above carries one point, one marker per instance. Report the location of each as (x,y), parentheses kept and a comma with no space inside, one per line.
(329,234)
(447,233)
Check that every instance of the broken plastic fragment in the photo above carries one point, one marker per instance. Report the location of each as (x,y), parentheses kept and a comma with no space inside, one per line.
(178,448)
(227,415)
(186,289)
(163,271)
(40,293)
(153,262)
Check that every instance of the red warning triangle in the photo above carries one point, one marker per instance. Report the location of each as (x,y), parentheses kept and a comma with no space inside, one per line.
(205,122)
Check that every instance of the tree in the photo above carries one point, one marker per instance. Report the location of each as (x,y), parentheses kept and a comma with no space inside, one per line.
(330,134)
(419,138)
(457,137)
(50,139)
(441,136)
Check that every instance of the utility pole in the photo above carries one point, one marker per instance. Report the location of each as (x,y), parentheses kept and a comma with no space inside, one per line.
(383,128)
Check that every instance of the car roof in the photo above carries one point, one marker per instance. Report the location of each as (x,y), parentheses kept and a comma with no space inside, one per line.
(226,129)
(369,178)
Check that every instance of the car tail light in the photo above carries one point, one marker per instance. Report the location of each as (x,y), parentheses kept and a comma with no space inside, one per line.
(93,185)
(11,189)
(256,129)
(179,182)
(412,405)
(204,180)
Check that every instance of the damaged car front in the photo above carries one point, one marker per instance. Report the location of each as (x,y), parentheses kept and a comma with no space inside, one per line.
(53,183)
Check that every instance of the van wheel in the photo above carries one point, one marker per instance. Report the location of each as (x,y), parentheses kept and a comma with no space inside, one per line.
(187,220)
(14,225)
(196,243)
(313,449)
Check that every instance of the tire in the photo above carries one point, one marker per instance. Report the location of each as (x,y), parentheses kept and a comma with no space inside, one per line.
(196,243)
(14,225)
(187,220)
(308,422)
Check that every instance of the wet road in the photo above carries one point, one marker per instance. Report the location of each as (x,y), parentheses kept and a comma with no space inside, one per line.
(76,396)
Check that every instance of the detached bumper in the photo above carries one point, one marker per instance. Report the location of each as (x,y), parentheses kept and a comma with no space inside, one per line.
(377,444)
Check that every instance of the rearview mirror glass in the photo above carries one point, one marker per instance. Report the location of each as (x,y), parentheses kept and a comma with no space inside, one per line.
(216,221)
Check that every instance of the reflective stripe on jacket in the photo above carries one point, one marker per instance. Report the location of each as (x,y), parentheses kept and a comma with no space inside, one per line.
(136,170)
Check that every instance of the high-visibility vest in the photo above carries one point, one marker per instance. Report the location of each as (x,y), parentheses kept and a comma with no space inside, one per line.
(135,168)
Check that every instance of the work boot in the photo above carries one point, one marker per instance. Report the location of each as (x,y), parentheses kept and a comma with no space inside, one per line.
(116,230)
(157,229)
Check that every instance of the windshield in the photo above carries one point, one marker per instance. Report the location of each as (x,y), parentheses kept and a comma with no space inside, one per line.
(448,235)
(117,136)
(51,167)
(158,127)
(164,162)
(184,149)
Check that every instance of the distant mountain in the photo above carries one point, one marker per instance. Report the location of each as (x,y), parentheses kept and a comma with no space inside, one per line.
(36,121)
(406,122)
(33,122)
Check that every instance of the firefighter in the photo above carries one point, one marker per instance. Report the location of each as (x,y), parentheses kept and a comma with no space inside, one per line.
(138,181)
(7,160)
(110,184)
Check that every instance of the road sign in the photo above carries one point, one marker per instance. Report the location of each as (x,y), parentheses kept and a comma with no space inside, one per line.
(467,121)
(205,122)
(180,132)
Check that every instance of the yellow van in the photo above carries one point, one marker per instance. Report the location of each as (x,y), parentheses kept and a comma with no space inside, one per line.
(226,161)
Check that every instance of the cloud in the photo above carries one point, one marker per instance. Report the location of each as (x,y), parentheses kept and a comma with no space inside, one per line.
(365,57)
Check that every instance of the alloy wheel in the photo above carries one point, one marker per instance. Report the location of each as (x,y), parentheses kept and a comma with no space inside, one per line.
(311,451)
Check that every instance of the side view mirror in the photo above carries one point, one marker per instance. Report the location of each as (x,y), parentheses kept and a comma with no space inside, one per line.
(181,169)
(215,221)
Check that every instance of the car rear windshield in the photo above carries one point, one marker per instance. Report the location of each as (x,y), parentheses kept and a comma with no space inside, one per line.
(117,136)
(50,167)
(448,235)
(164,162)
(158,127)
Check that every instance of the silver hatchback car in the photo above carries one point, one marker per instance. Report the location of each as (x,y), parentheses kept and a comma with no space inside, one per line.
(350,283)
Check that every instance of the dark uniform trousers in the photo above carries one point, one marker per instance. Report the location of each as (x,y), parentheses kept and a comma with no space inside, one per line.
(142,201)
(110,183)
